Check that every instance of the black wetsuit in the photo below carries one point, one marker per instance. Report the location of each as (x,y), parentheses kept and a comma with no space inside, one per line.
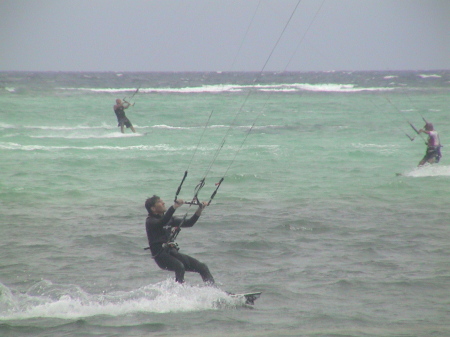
(166,254)
(121,118)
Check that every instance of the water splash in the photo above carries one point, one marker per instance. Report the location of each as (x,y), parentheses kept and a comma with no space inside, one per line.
(49,300)
(429,171)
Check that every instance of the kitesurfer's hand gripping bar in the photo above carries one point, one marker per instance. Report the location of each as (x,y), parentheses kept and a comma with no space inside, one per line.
(124,99)
(131,104)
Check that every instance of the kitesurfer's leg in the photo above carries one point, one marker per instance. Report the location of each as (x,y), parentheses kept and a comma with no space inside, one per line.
(434,156)
(168,262)
(426,158)
(438,154)
(194,265)
(129,125)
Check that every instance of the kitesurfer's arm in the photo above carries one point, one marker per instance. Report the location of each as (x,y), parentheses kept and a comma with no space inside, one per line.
(201,207)
(178,203)
(169,213)
(160,222)
(167,216)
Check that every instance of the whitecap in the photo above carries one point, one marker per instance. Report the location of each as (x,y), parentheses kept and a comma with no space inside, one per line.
(6,126)
(377,148)
(221,88)
(430,76)
(163,126)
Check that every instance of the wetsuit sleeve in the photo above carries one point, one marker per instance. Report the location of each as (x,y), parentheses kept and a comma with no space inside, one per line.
(191,221)
(160,222)
(167,216)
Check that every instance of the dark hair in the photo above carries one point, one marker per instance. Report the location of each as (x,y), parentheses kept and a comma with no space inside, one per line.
(150,202)
(429,126)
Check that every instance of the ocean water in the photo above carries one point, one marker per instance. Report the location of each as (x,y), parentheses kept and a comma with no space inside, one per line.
(322,207)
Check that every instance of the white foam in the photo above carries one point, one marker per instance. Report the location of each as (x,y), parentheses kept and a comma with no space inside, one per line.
(163,126)
(377,148)
(330,87)
(46,299)
(429,171)
(15,146)
(89,136)
(430,76)
(109,90)
(64,128)
(6,126)
(220,88)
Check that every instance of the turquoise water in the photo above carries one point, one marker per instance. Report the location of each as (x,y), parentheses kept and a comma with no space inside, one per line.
(311,211)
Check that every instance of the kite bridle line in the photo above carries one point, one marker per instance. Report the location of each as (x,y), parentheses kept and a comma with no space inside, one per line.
(192,158)
(412,126)
(195,200)
(240,111)
(135,92)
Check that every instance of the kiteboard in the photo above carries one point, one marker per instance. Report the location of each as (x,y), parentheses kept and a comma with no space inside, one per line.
(249,298)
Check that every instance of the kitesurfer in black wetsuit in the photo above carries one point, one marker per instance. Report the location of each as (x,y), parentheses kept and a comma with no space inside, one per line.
(119,109)
(159,226)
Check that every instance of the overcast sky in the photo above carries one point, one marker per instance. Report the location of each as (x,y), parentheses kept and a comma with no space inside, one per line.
(224,35)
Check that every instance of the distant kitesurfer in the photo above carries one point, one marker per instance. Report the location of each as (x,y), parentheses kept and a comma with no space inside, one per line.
(159,226)
(119,109)
(433,153)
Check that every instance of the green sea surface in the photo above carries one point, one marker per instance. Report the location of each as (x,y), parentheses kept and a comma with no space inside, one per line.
(311,211)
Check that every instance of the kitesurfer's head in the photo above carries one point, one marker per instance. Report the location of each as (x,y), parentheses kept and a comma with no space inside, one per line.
(118,101)
(429,127)
(155,205)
